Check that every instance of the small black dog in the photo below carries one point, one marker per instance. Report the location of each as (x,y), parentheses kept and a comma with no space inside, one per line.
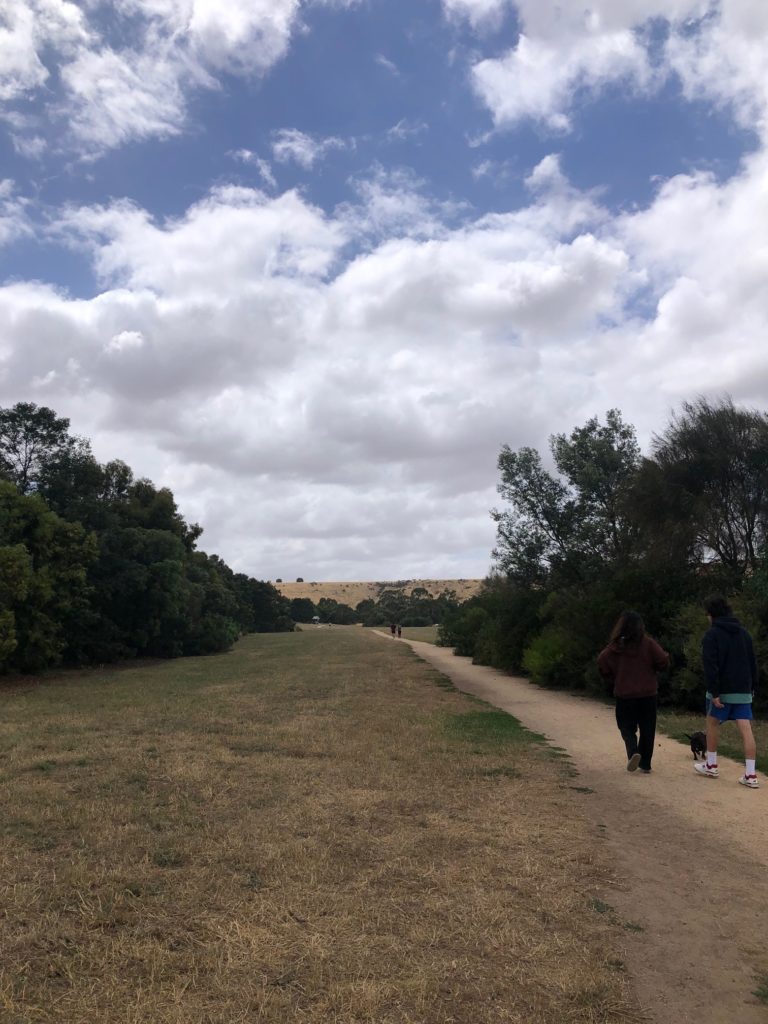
(698,744)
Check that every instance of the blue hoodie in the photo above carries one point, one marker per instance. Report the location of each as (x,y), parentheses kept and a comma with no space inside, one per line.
(730,666)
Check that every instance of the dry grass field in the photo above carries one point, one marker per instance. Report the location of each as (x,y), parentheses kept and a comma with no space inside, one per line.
(426,634)
(312,828)
(352,593)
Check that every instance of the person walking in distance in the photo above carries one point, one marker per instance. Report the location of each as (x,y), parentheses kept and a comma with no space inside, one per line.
(393,629)
(629,664)
(730,672)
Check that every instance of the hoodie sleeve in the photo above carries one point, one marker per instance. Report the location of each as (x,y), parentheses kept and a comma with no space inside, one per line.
(710,660)
(752,661)
(659,657)
(606,663)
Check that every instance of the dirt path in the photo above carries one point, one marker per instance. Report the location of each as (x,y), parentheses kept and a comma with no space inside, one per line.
(681,843)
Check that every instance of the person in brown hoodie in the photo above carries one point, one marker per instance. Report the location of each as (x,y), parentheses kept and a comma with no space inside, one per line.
(630,663)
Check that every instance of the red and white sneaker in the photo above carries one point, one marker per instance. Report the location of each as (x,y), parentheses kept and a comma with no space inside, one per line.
(750,781)
(711,771)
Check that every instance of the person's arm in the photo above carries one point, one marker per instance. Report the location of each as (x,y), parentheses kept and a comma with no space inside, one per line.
(605,664)
(607,667)
(711,663)
(659,657)
(752,662)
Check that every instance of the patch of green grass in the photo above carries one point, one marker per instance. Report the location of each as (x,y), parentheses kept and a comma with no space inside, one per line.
(561,754)
(247,749)
(427,634)
(492,731)
(600,907)
(761,992)
(137,780)
(485,729)
(631,926)
(443,682)
(499,771)
(558,753)
(169,857)
(36,837)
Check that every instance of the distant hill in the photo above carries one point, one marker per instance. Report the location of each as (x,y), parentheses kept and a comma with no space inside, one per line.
(352,593)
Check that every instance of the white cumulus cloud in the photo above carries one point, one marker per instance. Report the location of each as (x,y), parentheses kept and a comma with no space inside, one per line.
(330,401)
(127,69)
(304,149)
(716,49)
(538,80)
(14,220)
(28,28)
(478,12)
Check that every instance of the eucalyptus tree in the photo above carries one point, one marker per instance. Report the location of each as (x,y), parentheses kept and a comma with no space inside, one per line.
(33,442)
(574,522)
(44,588)
(712,463)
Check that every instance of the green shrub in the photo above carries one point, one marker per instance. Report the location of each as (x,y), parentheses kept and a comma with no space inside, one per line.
(462,628)
(553,659)
(752,607)
(685,687)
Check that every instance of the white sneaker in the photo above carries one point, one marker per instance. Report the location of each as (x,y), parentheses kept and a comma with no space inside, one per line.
(633,762)
(711,771)
(750,781)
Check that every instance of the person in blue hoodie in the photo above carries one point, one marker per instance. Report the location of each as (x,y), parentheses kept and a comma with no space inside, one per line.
(730,672)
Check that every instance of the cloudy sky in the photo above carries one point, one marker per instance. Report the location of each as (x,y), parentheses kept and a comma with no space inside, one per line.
(310,263)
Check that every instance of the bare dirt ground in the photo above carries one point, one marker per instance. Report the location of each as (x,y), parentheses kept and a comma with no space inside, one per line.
(690,853)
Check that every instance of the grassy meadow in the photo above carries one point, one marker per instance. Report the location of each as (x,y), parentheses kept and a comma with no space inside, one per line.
(427,634)
(315,827)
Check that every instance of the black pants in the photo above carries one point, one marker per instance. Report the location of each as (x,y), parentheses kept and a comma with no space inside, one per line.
(633,714)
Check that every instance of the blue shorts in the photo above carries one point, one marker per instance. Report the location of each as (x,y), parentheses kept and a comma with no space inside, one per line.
(730,712)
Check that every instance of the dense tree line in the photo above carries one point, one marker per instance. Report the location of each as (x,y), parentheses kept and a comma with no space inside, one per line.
(607,528)
(393,604)
(96,565)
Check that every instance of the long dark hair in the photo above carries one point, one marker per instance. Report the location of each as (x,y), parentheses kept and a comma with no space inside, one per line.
(629,629)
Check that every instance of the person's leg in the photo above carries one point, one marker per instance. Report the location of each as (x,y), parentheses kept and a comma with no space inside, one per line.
(626,719)
(748,739)
(744,722)
(646,707)
(709,768)
(713,731)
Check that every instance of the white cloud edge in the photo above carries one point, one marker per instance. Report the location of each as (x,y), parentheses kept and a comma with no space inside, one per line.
(403,368)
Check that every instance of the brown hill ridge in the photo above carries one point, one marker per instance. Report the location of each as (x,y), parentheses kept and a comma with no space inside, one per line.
(353,592)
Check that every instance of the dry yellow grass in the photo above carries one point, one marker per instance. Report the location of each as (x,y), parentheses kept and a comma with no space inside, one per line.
(352,593)
(308,829)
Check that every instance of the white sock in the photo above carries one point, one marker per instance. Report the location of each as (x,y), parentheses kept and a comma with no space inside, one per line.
(711,757)
(750,767)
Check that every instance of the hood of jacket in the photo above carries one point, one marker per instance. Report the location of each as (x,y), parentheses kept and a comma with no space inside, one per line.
(628,650)
(728,623)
